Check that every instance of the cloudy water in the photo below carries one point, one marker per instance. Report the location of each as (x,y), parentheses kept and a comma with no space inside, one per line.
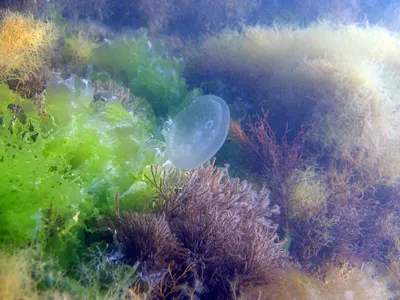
(181,149)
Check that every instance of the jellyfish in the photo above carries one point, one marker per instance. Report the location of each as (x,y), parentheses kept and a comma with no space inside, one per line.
(197,132)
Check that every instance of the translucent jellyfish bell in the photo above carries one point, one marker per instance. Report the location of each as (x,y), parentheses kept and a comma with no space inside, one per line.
(197,132)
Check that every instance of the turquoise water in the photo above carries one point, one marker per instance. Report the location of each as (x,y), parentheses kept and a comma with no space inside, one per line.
(199,149)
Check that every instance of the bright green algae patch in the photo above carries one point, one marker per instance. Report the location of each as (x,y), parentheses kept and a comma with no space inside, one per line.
(65,166)
(147,70)
(31,178)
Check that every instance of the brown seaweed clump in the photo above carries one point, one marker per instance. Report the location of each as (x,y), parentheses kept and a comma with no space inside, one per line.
(276,160)
(209,235)
(334,214)
(108,91)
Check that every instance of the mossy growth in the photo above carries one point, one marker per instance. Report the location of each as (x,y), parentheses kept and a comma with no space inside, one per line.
(342,79)
(79,46)
(309,196)
(30,274)
(25,45)
(15,277)
(340,282)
